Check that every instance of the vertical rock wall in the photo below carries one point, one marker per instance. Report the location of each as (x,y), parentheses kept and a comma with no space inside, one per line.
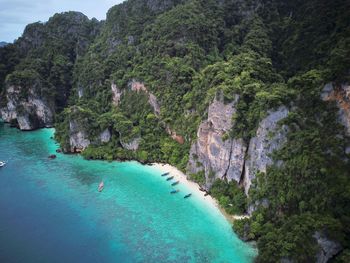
(78,138)
(269,137)
(218,158)
(29,112)
(233,159)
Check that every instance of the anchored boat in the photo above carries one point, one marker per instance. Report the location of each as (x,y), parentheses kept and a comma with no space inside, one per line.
(2,164)
(170,178)
(174,191)
(175,183)
(187,196)
(101,186)
(165,174)
(202,189)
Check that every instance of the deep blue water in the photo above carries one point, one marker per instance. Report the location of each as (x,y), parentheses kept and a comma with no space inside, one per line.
(51,211)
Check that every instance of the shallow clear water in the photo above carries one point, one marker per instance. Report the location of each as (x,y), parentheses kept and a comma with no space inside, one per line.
(51,211)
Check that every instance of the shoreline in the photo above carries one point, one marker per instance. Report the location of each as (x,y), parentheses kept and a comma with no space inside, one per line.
(178,175)
(194,188)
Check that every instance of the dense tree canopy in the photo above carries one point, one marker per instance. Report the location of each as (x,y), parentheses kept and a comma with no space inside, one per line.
(270,53)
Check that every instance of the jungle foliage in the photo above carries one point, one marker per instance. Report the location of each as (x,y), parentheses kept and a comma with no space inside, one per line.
(186,52)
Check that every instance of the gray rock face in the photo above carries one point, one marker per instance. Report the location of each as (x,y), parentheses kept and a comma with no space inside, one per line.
(24,123)
(152,100)
(105,136)
(269,137)
(80,92)
(347,150)
(218,158)
(327,248)
(238,150)
(78,138)
(341,95)
(326,91)
(9,112)
(30,113)
(131,40)
(116,94)
(132,145)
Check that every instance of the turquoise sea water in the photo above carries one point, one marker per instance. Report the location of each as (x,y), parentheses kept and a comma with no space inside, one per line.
(51,211)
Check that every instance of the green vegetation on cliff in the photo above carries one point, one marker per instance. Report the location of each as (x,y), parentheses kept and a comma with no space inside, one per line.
(269,53)
(46,53)
(310,191)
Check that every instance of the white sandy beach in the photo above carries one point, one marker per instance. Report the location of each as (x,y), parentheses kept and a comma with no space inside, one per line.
(194,188)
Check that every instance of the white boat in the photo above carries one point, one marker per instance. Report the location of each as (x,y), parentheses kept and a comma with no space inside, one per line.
(2,164)
(100,186)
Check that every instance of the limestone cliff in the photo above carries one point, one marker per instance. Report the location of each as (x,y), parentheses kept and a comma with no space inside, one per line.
(132,144)
(105,136)
(27,112)
(218,158)
(78,138)
(233,159)
(327,248)
(116,94)
(38,83)
(269,137)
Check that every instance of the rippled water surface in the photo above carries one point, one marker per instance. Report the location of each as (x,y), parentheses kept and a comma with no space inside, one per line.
(51,211)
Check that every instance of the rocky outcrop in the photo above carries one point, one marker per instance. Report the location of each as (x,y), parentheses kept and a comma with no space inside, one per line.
(269,137)
(78,138)
(327,247)
(9,112)
(105,136)
(174,135)
(29,112)
(218,158)
(116,94)
(341,95)
(24,122)
(80,92)
(32,95)
(233,159)
(131,145)
(152,100)
(137,86)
